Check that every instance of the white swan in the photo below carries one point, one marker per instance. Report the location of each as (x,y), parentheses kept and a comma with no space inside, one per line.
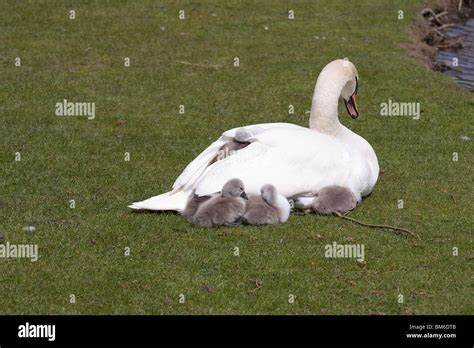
(298,161)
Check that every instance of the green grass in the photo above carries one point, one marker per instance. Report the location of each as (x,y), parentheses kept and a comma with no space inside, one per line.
(63,158)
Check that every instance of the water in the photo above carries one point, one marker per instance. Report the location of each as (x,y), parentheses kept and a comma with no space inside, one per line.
(463,74)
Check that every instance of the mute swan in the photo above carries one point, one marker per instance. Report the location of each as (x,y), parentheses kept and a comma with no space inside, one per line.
(298,161)
(224,209)
(331,199)
(267,209)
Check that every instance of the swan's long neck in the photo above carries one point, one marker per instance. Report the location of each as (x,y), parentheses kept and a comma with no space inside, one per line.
(324,116)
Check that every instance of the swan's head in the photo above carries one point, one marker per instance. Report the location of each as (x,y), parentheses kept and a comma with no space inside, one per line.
(349,91)
(343,72)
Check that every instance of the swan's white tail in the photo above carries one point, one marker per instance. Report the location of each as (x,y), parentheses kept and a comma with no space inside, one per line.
(166,201)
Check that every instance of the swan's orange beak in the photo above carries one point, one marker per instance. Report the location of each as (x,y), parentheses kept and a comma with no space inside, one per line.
(351,106)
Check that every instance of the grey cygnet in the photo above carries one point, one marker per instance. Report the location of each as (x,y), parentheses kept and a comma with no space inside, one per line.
(268,208)
(224,209)
(331,199)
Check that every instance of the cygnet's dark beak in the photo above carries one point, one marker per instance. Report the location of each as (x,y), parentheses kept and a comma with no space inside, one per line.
(244,195)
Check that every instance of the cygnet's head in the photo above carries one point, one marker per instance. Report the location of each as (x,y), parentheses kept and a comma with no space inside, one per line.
(234,188)
(343,72)
(269,194)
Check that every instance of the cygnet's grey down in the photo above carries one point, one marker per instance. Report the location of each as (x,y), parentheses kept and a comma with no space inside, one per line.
(238,142)
(331,199)
(226,208)
(193,204)
(268,208)
(242,135)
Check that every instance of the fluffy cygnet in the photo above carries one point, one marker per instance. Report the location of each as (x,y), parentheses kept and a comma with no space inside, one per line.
(332,199)
(268,208)
(224,209)
(193,204)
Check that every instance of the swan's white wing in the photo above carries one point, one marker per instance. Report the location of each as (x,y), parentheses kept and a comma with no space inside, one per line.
(182,188)
(256,129)
(366,166)
(196,168)
(295,161)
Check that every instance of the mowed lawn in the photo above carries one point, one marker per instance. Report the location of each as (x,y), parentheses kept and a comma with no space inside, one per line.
(83,250)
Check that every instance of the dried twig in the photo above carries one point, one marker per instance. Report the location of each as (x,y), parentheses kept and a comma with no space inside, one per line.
(377,226)
(436,30)
(435,35)
(452,44)
(434,17)
(446,26)
(454,199)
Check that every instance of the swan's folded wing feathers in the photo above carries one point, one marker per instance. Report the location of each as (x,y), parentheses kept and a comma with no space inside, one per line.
(285,158)
(238,166)
(196,168)
(255,129)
